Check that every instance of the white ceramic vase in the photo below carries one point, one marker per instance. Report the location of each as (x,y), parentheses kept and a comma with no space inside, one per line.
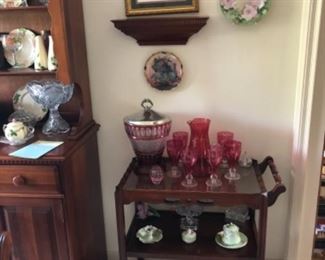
(51,61)
(40,62)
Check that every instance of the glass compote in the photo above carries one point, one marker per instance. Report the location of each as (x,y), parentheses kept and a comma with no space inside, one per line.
(189,159)
(232,152)
(222,138)
(214,159)
(51,94)
(174,149)
(13,44)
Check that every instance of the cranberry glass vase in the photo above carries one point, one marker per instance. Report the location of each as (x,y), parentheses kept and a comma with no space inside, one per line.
(199,141)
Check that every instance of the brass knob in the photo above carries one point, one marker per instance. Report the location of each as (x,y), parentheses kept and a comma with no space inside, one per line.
(18,180)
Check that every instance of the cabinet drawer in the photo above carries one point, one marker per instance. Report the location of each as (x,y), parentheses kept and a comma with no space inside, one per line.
(29,179)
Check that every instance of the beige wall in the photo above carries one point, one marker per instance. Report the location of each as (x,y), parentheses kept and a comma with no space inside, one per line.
(242,77)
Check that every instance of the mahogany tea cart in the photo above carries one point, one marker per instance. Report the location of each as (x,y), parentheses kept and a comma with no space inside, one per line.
(253,190)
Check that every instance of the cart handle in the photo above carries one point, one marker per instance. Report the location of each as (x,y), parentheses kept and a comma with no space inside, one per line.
(279,187)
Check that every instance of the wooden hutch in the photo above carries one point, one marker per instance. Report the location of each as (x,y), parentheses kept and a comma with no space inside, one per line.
(52,206)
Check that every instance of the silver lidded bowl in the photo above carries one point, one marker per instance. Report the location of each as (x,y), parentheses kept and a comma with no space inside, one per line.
(147,131)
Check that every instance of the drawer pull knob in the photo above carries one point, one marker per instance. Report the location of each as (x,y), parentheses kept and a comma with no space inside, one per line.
(18,180)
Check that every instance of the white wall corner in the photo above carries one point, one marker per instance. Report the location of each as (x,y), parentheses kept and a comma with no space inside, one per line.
(309,41)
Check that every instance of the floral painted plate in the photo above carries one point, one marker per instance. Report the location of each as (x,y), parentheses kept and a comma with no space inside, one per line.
(25,56)
(12,3)
(23,101)
(244,11)
(163,70)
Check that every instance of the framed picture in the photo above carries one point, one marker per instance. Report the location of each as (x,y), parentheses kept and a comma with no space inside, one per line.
(150,7)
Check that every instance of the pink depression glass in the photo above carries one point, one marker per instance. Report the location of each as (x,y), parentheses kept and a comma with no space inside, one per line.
(156,174)
(174,149)
(215,155)
(232,152)
(189,158)
(181,136)
(222,138)
(199,141)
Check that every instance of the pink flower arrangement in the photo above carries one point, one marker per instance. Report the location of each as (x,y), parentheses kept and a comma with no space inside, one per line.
(258,4)
(249,12)
(227,4)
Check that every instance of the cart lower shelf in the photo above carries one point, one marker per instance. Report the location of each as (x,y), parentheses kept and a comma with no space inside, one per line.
(172,246)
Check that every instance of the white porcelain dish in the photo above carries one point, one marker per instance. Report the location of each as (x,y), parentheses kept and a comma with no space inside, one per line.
(26,55)
(23,101)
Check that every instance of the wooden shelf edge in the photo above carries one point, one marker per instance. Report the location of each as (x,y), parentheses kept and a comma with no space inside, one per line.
(161,31)
(27,71)
(27,8)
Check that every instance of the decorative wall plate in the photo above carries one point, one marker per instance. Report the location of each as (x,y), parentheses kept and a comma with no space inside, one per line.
(23,101)
(245,11)
(163,70)
(13,3)
(26,55)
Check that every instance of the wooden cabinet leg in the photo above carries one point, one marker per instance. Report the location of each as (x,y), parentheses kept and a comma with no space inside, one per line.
(262,229)
(120,220)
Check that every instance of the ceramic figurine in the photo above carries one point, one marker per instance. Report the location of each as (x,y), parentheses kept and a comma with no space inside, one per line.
(40,62)
(52,63)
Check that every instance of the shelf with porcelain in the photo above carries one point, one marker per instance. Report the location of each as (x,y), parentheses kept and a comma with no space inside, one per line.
(161,31)
(27,71)
(25,8)
(172,246)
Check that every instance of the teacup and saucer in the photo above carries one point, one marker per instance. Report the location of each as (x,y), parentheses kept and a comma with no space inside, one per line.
(231,237)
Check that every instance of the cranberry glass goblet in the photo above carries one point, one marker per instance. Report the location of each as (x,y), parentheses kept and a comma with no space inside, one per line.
(214,159)
(189,159)
(181,136)
(232,152)
(174,149)
(222,138)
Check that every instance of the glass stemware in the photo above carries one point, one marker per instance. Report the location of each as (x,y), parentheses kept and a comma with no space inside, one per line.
(12,43)
(174,149)
(181,136)
(189,159)
(214,158)
(222,138)
(232,152)
(189,215)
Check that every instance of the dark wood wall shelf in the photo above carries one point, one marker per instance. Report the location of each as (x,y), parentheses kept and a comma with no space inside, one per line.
(161,31)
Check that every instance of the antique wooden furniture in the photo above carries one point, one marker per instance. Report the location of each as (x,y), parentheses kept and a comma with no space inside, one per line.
(5,246)
(52,206)
(319,237)
(251,190)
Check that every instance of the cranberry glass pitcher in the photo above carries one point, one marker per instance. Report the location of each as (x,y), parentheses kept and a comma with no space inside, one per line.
(199,141)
